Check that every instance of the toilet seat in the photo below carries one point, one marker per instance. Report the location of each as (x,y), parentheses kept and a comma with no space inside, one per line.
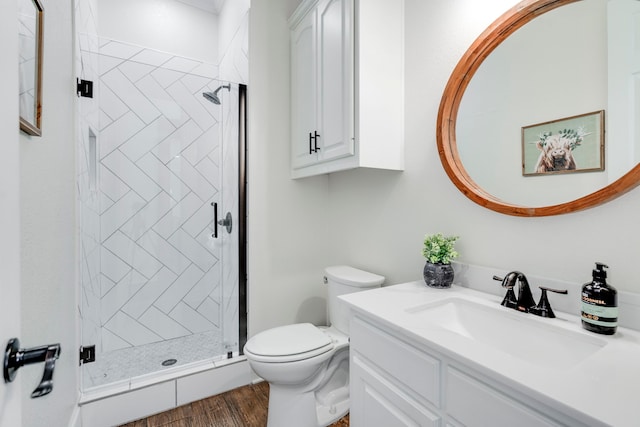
(288,343)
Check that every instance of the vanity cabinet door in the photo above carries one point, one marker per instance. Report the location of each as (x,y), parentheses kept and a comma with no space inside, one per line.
(375,402)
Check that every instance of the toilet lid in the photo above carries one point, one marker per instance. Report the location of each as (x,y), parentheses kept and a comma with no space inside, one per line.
(297,339)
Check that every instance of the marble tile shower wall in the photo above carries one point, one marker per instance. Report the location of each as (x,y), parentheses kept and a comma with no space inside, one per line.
(151,270)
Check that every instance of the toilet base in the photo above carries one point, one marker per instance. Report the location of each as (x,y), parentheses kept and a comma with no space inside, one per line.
(332,412)
(332,397)
(289,407)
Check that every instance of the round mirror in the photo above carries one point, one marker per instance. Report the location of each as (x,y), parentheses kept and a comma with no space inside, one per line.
(521,125)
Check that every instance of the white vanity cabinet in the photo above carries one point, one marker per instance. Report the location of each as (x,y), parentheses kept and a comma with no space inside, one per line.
(347,86)
(398,382)
(392,383)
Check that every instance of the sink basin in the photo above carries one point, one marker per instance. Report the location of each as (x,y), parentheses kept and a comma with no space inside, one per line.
(517,334)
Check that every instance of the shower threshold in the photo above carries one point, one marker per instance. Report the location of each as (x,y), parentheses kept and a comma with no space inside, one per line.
(147,362)
(139,397)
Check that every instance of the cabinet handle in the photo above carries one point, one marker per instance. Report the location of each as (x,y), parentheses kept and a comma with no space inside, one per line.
(313,142)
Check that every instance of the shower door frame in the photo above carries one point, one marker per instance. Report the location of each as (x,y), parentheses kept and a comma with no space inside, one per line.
(242,214)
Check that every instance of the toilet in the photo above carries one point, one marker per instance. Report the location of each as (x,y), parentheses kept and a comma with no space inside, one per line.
(307,366)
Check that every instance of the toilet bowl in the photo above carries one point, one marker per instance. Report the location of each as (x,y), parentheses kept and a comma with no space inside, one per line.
(307,366)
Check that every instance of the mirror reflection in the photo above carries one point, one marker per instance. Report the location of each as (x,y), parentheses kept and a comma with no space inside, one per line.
(574,60)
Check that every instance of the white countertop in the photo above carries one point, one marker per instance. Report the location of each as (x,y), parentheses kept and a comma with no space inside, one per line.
(604,386)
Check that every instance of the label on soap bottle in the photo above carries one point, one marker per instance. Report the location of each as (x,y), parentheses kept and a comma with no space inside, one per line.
(595,313)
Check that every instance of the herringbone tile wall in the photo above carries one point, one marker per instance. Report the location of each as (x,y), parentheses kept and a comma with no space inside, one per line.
(159,173)
(155,166)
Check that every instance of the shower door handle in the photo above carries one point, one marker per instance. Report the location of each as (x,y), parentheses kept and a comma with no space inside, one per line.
(215,220)
(227,222)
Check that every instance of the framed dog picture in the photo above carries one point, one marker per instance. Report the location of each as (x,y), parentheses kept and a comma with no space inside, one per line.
(571,144)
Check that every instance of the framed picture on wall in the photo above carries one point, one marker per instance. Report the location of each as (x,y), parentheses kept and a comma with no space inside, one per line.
(567,145)
(30,38)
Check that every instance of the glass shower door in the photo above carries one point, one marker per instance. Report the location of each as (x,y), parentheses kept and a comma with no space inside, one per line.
(156,293)
(230,120)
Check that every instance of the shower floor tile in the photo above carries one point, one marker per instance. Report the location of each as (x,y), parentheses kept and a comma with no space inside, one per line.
(123,364)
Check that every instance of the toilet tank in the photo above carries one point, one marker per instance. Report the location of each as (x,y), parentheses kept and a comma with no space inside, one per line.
(341,280)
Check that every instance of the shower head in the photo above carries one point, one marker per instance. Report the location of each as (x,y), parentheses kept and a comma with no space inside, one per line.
(213,96)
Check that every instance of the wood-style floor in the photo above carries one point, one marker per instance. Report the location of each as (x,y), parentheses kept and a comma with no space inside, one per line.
(242,407)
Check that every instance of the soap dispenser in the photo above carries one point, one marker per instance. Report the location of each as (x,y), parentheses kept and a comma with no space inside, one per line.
(599,303)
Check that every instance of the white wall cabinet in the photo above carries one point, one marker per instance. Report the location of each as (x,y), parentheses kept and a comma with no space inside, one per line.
(347,90)
(321,70)
(395,383)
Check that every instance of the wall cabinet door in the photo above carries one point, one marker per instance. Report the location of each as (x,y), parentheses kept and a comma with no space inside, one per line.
(321,84)
(303,91)
(347,86)
(335,73)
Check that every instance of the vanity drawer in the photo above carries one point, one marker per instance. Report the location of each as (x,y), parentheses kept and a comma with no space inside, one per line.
(474,403)
(376,402)
(413,369)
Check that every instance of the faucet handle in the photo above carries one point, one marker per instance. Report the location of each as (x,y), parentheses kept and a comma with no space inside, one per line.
(543,309)
(510,299)
(507,281)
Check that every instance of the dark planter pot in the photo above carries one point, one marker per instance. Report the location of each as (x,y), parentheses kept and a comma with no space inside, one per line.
(438,275)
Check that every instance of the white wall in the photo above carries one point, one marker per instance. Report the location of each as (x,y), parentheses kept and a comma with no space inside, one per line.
(287,219)
(10,411)
(165,25)
(378,219)
(47,203)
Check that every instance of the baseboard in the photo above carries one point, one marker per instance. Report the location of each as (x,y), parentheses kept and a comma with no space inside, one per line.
(75,420)
(141,402)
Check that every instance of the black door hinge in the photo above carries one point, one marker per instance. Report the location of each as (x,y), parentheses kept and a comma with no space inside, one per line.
(87,354)
(84,88)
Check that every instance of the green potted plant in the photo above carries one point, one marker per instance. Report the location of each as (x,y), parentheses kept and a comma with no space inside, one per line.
(439,251)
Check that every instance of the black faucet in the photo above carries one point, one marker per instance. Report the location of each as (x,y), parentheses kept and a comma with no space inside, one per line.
(524,301)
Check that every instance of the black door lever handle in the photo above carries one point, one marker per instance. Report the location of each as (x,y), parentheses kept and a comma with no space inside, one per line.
(16,357)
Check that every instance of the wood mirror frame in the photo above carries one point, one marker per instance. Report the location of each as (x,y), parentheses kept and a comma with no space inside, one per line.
(502,28)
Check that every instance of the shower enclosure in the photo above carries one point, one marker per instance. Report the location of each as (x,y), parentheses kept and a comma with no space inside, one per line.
(161,189)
